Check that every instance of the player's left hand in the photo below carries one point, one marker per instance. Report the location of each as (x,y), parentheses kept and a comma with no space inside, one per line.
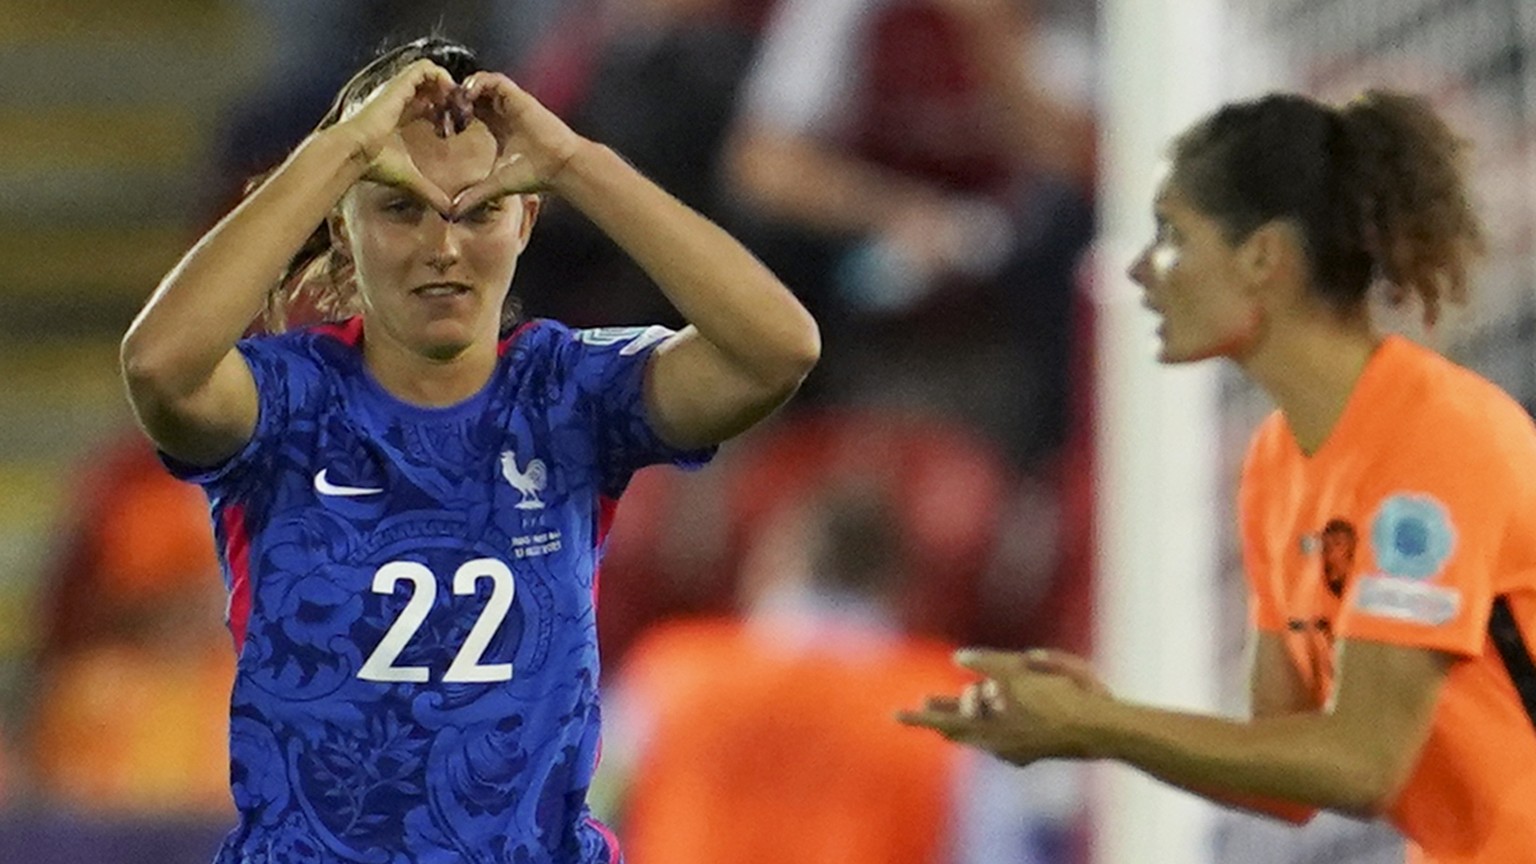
(532,144)
(1017,712)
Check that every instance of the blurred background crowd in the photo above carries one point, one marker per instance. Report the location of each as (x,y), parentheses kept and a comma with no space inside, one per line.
(920,172)
(926,201)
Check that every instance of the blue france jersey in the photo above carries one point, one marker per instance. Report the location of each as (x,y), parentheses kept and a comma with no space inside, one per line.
(412,595)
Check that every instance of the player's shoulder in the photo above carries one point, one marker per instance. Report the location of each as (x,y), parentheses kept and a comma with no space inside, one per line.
(315,345)
(548,337)
(1449,408)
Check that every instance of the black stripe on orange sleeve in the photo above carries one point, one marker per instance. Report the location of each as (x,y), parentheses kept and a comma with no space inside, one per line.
(1506,636)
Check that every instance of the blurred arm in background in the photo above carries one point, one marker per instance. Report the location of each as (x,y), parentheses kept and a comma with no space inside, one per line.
(791,157)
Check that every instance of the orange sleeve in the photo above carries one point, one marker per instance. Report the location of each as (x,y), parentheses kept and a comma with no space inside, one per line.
(1437,509)
(1263,606)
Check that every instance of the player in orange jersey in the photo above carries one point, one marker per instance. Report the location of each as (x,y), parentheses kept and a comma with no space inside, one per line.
(1388,506)
(761,740)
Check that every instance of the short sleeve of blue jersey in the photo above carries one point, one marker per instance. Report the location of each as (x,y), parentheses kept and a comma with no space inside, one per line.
(286,378)
(607,366)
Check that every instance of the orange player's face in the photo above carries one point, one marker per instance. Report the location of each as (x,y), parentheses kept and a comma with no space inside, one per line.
(1190,276)
(432,284)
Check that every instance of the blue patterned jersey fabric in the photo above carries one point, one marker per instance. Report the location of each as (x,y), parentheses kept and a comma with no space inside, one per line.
(412,596)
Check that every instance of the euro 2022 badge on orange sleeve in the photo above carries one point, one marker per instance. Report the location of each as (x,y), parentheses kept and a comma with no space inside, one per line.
(1413,539)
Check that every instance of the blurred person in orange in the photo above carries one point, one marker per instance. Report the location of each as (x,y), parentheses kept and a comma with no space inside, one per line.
(132,659)
(768,739)
(1388,512)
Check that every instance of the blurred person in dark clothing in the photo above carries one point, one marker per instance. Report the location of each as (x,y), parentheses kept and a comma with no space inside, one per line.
(918,162)
(658,80)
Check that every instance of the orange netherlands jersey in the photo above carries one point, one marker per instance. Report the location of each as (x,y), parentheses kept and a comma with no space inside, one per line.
(1415,524)
(762,753)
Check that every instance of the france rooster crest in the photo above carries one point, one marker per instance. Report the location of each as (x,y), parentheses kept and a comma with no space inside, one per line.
(528,482)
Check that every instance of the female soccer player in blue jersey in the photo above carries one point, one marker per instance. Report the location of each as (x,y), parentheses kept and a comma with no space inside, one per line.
(409,502)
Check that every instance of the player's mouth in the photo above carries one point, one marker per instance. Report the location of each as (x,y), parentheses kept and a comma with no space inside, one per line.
(441,290)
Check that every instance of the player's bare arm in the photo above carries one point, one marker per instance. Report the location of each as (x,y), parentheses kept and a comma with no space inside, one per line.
(749,343)
(1274,687)
(1352,759)
(191,390)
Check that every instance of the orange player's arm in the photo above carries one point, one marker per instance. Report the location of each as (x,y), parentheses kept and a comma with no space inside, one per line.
(1275,690)
(1353,759)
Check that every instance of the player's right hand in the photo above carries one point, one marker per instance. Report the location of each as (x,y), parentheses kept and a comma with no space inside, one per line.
(420,91)
(1067,665)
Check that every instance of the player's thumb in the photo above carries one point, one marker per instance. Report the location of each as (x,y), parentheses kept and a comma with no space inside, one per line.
(990,663)
(1064,664)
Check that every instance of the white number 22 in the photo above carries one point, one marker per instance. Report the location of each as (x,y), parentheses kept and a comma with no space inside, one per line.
(466,667)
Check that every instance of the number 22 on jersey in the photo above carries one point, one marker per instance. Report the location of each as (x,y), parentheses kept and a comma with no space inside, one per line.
(466,667)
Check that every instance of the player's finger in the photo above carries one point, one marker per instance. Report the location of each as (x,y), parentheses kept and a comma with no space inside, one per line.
(970,702)
(989,663)
(1078,669)
(948,704)
(476,195)
(1060,663)
(991,696)
(423,80)
(494,86)
(402,172)
(945,723)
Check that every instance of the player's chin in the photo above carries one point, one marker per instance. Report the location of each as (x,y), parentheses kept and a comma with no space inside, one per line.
(1169,352)
(1174,356)
(445,339)
(1173,351)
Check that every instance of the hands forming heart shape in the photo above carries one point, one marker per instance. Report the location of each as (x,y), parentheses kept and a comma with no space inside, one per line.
(532,144)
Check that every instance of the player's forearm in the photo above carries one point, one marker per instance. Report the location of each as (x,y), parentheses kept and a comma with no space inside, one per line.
(1298,758)
(211,296)
(793,179)
(1274,808)
(719,287)
(1031,126)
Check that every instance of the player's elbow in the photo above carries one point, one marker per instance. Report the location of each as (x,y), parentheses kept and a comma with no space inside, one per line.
(787,356)
(802,348)
(158,381)
(147,372)
(1365,781)
(1289,812)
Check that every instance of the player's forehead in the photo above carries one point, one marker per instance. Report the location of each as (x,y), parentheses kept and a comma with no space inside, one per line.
(453,163)
(1169,201)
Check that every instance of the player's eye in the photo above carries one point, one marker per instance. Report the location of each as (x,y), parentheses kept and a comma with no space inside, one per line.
(485,213)
(403,206)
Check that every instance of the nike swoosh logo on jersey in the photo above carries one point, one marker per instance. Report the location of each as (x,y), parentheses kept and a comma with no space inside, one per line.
(326,487)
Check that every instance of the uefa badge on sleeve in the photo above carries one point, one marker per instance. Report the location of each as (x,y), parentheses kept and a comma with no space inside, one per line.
(1412,536)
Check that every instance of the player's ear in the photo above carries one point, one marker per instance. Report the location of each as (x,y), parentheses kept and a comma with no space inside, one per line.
(532,204)
(336,226)
(1271,254)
